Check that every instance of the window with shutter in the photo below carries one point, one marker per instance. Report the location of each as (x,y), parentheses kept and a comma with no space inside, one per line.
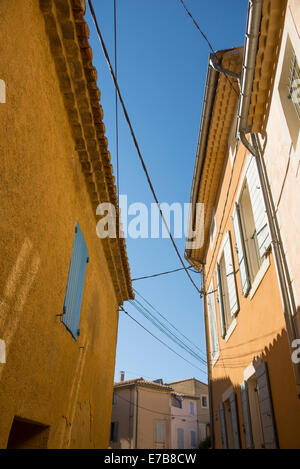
(251,228)
(193,439)
(234,421)
(114,431)
(74,291)
(261,235)
(220,301)
(214,342)
(223,425)
(266,407)
(247,427)
(180,438)
(241,250)
(160,431)
(226,285)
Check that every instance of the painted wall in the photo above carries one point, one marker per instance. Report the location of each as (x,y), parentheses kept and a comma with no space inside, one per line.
(137,419)
(282,155)
(260,327)
(182,418)
(194,387)
(48,378)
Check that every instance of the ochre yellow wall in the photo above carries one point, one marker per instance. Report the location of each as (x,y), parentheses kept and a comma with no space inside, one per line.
(260,329)
(48,377)
(159,402)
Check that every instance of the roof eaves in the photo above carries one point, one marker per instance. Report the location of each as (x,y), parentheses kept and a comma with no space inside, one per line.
(68,34)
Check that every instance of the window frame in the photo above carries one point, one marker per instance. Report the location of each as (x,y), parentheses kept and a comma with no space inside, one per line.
(229,315)
(156,439)
(251,284)
(206,397)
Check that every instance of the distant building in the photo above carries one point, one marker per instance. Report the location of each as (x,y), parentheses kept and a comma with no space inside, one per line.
(60,285)
(195,403)
(150,414)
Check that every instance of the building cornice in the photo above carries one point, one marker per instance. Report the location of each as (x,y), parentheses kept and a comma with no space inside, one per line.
(68,35)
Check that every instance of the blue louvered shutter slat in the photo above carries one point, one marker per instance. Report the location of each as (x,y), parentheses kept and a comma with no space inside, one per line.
(74,291)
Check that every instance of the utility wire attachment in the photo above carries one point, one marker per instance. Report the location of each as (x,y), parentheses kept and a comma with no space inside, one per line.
(136,143)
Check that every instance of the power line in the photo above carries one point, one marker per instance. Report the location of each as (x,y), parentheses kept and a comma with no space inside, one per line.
(206,39)
(136,143)
(154,411)
(116,99)
(172,325)
(197,26)
(159,340)
(165,273)
(159,325)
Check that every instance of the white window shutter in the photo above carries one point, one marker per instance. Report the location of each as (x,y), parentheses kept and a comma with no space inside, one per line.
(223,425)
(230,276)
(241,250)
(214,342)
(258,208)
(220,301)
(266,406)
(247,427)
(235,421)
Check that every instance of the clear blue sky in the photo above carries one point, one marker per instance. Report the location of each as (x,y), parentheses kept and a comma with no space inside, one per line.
(162,65)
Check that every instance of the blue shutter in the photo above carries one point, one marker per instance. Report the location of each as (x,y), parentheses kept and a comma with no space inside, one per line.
(180,438)
(74,291)
(193,439)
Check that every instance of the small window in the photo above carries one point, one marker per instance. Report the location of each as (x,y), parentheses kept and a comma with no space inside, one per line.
(176,402)
(74,291)
(294,84)
(26,434)
(193,439)
(115,398)
(204,402)
(160,431)
(192,408)
(114,431)
(249,232)
(289,91)
(251,228)
(226,286)
(180,438)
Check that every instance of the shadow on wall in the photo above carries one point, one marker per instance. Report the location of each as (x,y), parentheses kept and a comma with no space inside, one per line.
(262,411)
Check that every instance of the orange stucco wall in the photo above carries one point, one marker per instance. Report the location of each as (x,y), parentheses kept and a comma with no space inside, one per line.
(48,377)
(260,329)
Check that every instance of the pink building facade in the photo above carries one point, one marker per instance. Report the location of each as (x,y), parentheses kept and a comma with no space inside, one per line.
(184,422)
